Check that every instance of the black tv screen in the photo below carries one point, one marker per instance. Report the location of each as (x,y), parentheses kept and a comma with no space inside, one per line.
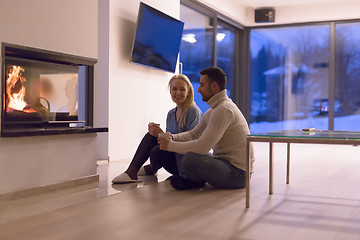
(157,39)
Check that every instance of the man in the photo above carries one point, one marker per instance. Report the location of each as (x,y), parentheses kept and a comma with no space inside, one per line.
(223,128)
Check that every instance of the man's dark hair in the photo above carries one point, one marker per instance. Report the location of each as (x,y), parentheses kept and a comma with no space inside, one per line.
(215,74)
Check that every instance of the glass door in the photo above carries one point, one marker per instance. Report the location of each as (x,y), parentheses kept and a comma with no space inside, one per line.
(196,49)
(226,54)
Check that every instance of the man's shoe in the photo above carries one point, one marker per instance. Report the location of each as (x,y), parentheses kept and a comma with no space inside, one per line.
(180,183)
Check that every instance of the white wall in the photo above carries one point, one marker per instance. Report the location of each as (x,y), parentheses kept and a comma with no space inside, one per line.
(137,94)
(348,9)
(28,162)
(233,9)
(67,26)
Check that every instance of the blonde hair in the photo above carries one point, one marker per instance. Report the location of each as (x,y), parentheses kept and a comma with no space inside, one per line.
(189,101)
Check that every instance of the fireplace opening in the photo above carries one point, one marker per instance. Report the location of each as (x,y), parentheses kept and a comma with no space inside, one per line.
(45,92)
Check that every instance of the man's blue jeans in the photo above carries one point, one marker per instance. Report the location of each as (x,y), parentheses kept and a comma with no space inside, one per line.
(219,173)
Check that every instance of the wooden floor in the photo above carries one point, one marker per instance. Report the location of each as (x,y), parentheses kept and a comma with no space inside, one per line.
(322,201)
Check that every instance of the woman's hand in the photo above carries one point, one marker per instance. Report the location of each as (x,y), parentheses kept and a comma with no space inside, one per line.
(154,129)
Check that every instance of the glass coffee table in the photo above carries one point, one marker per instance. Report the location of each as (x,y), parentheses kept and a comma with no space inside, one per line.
(295,136)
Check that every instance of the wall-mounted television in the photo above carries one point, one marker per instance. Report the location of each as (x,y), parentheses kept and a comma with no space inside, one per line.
(157,39)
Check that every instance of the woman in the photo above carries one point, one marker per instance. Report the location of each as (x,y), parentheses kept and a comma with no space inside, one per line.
(182,118)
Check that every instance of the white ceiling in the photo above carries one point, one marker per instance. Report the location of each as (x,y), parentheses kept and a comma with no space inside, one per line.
(278,3)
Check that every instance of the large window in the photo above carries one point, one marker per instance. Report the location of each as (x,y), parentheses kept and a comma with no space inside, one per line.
(208,41)
(305,76)
(289,78)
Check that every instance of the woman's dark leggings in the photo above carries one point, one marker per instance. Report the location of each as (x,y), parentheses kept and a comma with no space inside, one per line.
(149,147)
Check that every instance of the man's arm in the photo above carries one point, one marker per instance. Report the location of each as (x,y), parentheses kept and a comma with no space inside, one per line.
(219,121)
(184,136)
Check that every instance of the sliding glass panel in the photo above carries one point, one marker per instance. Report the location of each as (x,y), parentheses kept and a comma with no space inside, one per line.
(289,77)
(196,50)
(347,72)
(226,55)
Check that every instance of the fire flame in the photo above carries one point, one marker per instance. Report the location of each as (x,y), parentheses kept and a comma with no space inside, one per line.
(15,90)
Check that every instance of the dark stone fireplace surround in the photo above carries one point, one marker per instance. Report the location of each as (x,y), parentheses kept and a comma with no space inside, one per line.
(27,53)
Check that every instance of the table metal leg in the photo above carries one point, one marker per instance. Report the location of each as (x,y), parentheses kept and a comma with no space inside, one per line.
(247,205)
(288,164)
(271,168)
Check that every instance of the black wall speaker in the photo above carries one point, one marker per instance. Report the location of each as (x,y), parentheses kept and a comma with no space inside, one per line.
(265,15)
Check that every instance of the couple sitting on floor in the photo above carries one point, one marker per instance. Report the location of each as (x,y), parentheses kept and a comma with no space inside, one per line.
(185,153)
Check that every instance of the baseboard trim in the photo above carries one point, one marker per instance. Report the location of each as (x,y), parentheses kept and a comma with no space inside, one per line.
(93,179)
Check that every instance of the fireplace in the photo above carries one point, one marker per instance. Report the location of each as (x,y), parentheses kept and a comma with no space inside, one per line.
(45,92)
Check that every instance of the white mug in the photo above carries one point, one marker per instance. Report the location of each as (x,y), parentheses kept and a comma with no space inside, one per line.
(164,135)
